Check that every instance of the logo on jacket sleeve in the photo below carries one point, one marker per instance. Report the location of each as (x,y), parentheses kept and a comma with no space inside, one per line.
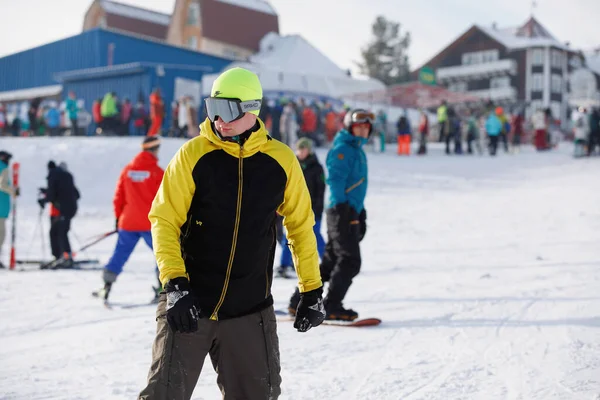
(138,176)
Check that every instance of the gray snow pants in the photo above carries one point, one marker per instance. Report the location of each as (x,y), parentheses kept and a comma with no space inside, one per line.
(2,232)
(244,352)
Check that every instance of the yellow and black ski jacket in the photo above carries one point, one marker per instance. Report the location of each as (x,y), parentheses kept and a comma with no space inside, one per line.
(213,220)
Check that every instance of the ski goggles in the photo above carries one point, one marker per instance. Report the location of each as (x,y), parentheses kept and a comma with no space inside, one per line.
(229,110)
(362,117)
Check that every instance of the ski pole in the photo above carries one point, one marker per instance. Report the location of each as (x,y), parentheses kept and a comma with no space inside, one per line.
(13,259)
(102,237)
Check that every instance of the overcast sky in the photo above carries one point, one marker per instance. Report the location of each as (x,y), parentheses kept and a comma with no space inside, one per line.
(339,28)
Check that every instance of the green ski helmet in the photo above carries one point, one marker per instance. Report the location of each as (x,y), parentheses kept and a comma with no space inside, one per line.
(238,83)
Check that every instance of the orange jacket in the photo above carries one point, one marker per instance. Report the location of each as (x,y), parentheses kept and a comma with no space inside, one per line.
(309,120)
(137,186)
(157,108)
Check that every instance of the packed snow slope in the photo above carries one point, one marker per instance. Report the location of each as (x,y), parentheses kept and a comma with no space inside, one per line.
(486,273)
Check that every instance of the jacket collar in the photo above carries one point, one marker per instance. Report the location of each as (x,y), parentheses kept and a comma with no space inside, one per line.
(344,136)
(256,138)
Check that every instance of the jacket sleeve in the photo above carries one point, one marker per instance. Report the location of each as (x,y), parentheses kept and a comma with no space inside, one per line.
(338,166)
(298,220)
(52,191)
(319,192)
(119,197)
(169,213)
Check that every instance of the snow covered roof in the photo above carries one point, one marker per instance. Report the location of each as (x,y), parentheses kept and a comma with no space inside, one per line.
(291,64)
(294,53)
(530,34)
(256,5)
(593,61)
(30,93)
(135,12)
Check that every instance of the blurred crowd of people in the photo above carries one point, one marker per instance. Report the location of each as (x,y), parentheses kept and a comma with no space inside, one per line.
(40,117)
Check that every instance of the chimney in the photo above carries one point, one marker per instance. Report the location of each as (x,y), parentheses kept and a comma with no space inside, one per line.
(494,25)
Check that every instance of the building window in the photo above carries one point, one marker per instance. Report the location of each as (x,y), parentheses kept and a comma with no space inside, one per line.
(193,14)
(537,84)
(556,83)
(489,56)
(500,82)
(479,57)
(538,57)
(556,59)
(192,42)
(458,87)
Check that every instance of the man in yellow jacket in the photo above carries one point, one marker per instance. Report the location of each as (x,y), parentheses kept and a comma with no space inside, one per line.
(213,229)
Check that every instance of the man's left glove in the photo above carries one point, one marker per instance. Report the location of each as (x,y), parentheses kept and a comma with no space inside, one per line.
(182,312)
(362,218)
(310,311)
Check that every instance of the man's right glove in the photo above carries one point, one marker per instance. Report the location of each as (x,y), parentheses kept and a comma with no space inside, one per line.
(182,313)
(310,311)
(362,218)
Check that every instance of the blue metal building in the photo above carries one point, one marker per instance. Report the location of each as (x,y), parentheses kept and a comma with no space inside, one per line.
(95,48)
(134,81)
(97,61)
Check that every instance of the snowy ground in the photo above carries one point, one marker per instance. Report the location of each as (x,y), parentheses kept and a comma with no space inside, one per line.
(485,272)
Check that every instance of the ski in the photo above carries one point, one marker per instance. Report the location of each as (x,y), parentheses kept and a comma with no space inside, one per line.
(75,262)
(283,316)
(15,183)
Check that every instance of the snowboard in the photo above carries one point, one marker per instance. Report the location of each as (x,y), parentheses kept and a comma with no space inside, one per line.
(357,323)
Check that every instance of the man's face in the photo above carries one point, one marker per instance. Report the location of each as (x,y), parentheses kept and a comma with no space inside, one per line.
(361,130)
(237,127)
(302,153)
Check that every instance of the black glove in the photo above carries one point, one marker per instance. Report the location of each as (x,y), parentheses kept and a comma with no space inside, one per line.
(42,202)
(182,312)
(116,224)
(17,192)
(362,218)
(310,311)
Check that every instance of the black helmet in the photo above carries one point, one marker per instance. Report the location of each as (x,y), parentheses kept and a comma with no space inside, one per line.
(5,156)
(358,116)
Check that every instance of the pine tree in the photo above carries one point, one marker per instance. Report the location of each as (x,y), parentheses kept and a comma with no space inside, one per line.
(386,56)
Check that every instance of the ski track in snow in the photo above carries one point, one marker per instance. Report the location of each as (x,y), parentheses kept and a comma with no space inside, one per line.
(484,271)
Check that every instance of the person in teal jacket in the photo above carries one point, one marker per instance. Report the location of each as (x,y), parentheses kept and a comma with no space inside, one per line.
(493,127)
(6,192)
(72,111)
(346,214)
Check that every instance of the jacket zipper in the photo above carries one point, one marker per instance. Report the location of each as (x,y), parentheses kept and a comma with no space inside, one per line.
(267,267)
(236,227)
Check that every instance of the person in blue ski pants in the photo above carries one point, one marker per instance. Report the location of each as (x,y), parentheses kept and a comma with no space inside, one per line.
(315,180)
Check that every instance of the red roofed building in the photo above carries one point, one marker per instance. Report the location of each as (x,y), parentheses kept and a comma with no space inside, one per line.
(226,28)
(126,18)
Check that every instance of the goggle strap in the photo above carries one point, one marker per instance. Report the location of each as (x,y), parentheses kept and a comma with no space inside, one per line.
(250,105)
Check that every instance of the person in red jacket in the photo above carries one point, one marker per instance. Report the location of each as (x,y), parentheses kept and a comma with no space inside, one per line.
(138,183)
(157,112)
